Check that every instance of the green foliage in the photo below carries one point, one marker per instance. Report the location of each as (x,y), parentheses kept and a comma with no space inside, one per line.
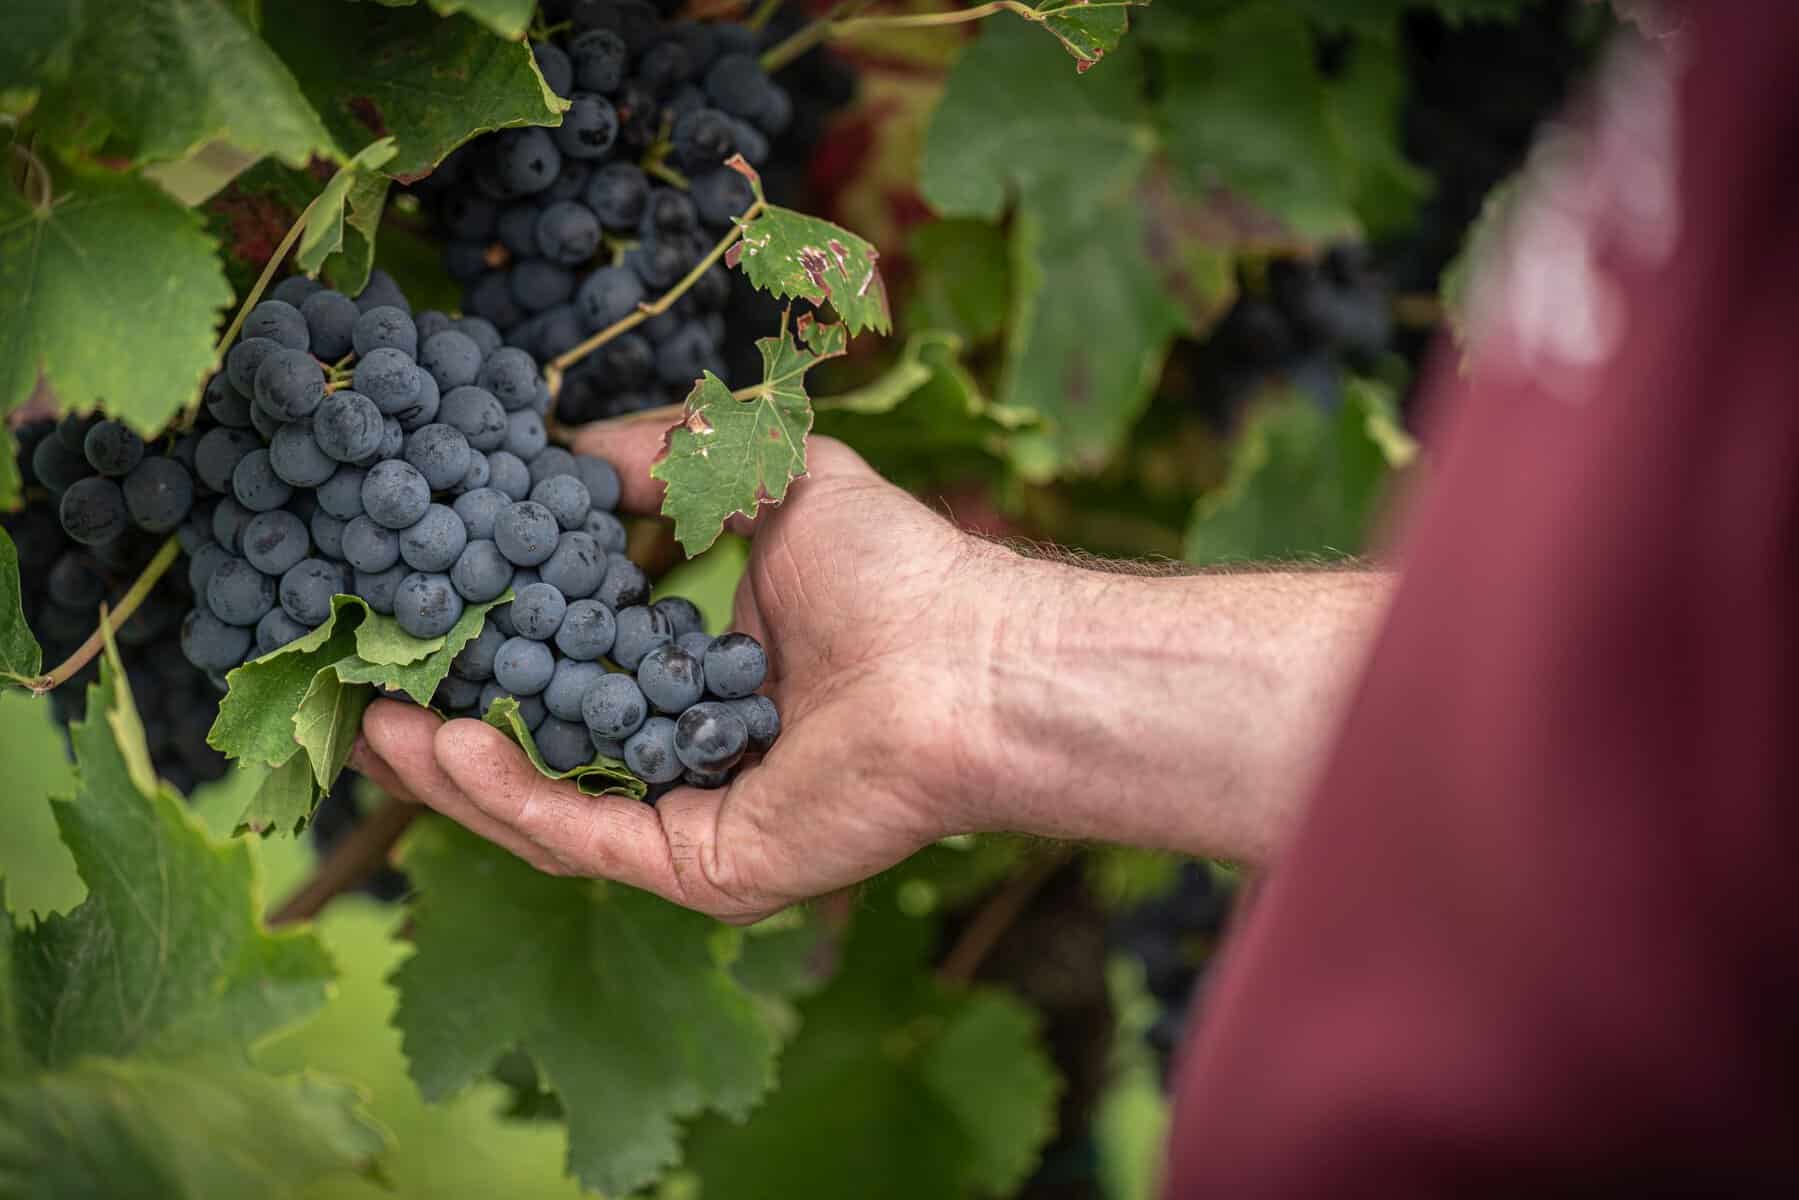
(131,1017)
(429,82)
(963,278)
(1087,29)
(730,454)
(625,1002)
(153,80)
(21,658)
(310,694)
(364,193)
(603,776)
(508,18)
(1303,483)
(110,289)
(885,1048)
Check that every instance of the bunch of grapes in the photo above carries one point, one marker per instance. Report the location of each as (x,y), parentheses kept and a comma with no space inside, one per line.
(122,499)
(559,233)
(349,447)
(1303,322)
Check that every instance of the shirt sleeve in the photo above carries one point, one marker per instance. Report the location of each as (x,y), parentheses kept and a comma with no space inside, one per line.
(1539,933)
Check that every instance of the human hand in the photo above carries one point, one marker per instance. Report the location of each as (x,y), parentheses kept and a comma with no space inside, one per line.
(870,606)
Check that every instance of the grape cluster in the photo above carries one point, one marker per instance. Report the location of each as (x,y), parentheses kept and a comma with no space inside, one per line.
(111,501)
(1302,322)
(351,447)
(556,234)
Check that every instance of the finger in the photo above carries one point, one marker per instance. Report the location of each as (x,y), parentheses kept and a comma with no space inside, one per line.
(612,837)
(401,737)
(364,759)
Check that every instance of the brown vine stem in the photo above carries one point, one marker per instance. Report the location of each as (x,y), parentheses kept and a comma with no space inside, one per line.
(808,36)
(995,917)
(110,622)
(363,852)
(553,372)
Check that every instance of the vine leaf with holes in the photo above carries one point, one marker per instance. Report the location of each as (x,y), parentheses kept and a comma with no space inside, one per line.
(733,452)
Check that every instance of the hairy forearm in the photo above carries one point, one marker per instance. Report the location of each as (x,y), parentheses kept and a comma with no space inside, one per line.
(1185,712)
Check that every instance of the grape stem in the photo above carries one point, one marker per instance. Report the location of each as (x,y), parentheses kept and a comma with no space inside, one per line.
(554,371)
(110,622)
(359,855)
(843,20)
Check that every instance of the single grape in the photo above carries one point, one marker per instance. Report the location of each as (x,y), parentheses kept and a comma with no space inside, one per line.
(617,193)
(289,385)
(606,530)
(426,606)
(435,541)
(275,541)
(481,331)
(613,707)
(683,615)
(706,779)
(265,426)
(478,415)
(348,427)
(59,468)
(256,485)
(478,508)
(523,666)
(721,195)
(481,573)
(682,358)
(217,454)
(456,695)
(703,139)
(294,290)
(475,659)
(113,448)
(588,131)
(440,454)
(671,679)
(526,533)
(395,495)
(568,686)
(576,567)
(587,631)
(380,588)
(510,377)
(650,752)
(331,318)
(565,497)
(640,630)
(210,644)
(381,289)
(538,284)
(563,744)
(385,325)
(526,160)
(306,591)
(567,232)
(735,666)
(537,611)
(280,322)
(297,459)
(369,546)
(624,586)
(238,594)
(159,494)
(710,737)
(93,511)
(760,717)
(390,378)
(555,67)
(452,358)
(607,296)
(341,495)
(525,435)
(508,474)
(599,57)
(275,630)
(228,521)
(550,462)
(202,563)
(328,534)
(600,478)
(423,410)
(477,475)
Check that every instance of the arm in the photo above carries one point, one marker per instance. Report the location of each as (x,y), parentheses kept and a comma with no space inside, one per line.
(932,683)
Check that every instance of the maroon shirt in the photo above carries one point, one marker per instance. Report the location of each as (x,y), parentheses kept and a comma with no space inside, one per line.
(1539,934)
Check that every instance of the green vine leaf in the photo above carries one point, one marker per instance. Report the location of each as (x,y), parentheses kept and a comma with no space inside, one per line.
(325,724)
(11,484)
(196,1130)
(730,455)
(796,257)
(882,1047)
(39,37)
(21,658)
(1087,30)
(430,82)
(365,193)
(508,18)
(419,676)
(601,777)
(283,802)
(626,1002)
(153,80)
(112,291)
(167,956)
(256,715)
